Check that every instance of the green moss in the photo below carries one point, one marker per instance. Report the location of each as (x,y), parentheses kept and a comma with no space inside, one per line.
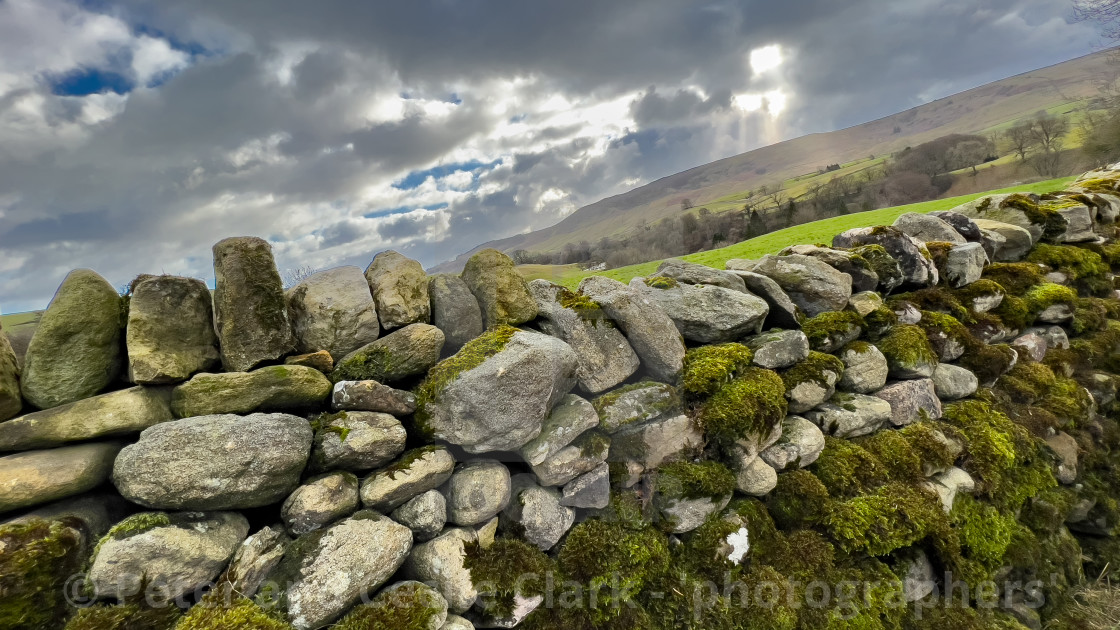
(661,282)
(1047,294)
(750,405)
(1026,382)
(1068,400)
(895,516)
(470,356)
(689,480)
(800,500)
(589,310)
(1015,278)
(985,533)
(812,370)
(986,361)
(408,459)
(1089,315)
(1004,459)
(939,252)
(704,552)
(371,364)
(1046,513)
(1083,267)
(880,322)
(944,331)
(133,526)
(897,457)
(504,570)
(1053,224)
(36,559)
(928,441)
(123,617)
(907,347)
(826,328)
(847,469)
(881,262)
(241,613)
(938,299)
(1100,185)
(982,288)
(596,550)
(708,368)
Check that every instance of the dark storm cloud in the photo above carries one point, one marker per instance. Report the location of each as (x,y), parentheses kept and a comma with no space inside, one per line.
(292,119)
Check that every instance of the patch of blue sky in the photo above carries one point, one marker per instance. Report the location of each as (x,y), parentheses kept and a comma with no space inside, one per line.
(416,178)
(375,214)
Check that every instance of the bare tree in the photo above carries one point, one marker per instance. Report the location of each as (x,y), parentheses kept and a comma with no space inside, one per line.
(1020,135)
(292,277)
(777,196)
(1048,131)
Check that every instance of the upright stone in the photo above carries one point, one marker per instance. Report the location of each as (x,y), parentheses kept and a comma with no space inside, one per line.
(455,311)
(500,290)
(75,351)
(250,310)
(333,310)
(605,357)
(400,289)
(11,402)
(170,332)
(813,285)
(651,333)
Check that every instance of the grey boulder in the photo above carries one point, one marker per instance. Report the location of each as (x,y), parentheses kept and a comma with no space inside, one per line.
(812,285)
(865,368)
(964,226)
(537,512)
(851,415)
(356,441)
(333,310)
(1079,228)
(591,490)
(800,445)
(501,292)
(455,310)
(75,351)
(372,396)
(706,313)
(476,492)
(250,312)
(783,312)
(964,264)
(651,333)
(692,273)
(650,444)
(439,563)
(11,401)
(569,419)
(329,570)
(636,403)
(605,357)
(911,401)
(425,514)
(175,553)
(779,349)
(581,456)
(952,382)
(170,333)
(409,351)
(928,228)
(756,479)
(256,557)
(35,477)
(502,403)
(418,471)
(271,388)
(400,290)
(215,462)
(118,413)
(918,269)
(1006,242)
(320,501)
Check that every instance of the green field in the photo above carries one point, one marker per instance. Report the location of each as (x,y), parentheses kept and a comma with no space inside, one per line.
(815,232)
(14,321)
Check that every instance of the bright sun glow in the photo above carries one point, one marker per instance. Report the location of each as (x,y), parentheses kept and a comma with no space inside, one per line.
(775,102)
(766,58)
(748,102)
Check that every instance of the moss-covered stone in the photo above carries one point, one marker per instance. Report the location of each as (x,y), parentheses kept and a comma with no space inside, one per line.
(847,469)
(750,405)
(124,617)
(1015,278)
(213,613)
(687,480)
(813,370)
(36,558)
(661,282)
(708,368)
(830,330)
(468,357)
(800,500)
(895,516)
(908,352)
(947,336)
(505,570)
(882,263)
(986,361)
(1044,215)
(408,606)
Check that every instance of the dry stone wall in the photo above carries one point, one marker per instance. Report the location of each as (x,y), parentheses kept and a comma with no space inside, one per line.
(914,408)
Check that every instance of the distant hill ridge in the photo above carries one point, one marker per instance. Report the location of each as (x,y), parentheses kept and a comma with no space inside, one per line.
(980,110)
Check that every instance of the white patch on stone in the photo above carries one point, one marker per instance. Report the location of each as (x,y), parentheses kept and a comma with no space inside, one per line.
(740,545)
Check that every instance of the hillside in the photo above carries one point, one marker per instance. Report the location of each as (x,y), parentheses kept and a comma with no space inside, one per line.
(722,184)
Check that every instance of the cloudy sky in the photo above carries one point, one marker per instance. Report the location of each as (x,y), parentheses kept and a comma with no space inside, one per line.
(135,134)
